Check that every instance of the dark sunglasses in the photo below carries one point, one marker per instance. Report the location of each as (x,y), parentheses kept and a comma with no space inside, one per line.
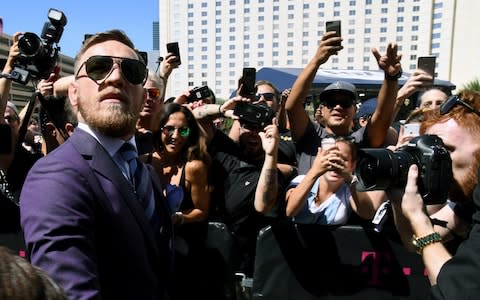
(99,67)
(344,103)
(267,96)
(453,101)
(169,130)
(153,93)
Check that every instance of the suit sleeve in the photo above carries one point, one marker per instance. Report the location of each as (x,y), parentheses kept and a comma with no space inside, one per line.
(58,220)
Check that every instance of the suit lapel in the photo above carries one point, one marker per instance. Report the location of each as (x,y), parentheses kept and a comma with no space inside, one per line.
(102,163)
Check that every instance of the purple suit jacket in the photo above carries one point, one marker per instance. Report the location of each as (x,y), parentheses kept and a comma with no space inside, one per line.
(84,226)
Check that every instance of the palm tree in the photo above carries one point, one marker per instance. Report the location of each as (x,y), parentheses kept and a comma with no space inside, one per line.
(473,85)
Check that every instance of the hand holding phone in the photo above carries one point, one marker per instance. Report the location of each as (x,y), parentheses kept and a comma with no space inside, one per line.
(173,48)
(247,82)
(411,129)
(427,64)
(334,26)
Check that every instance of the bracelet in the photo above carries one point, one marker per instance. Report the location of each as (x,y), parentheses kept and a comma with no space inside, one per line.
(220,109)
(421,242)
(393,77)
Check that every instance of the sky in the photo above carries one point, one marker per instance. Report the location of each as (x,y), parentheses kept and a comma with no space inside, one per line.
(135,17)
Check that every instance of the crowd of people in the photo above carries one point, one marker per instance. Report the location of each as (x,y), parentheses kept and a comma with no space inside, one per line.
(115,202)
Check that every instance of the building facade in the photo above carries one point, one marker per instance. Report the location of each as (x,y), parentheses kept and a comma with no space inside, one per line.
(218,38)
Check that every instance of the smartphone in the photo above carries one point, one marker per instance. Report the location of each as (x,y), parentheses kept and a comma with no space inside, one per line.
(411,129)
(173,48)
(248,82)
(427,64)
(334,26)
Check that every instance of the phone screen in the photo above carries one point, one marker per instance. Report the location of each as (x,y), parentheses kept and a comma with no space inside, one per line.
(411,129)
(173,48)
(334,26)
(427,64)
(248,82)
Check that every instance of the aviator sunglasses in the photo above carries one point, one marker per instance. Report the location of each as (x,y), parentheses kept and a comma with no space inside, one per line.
(153,93)
(453,101)
(267,96)
(99,67)
(169,130)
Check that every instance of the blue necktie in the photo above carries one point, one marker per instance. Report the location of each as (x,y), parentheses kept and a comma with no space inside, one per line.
(141,183)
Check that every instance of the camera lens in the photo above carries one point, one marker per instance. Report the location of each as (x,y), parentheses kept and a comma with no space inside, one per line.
(29,44)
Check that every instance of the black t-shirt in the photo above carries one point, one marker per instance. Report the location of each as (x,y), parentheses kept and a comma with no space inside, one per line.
(459,277)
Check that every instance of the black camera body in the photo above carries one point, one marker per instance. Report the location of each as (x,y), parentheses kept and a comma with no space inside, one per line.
(258,114)
(38,57)
(198,93)
(379,169)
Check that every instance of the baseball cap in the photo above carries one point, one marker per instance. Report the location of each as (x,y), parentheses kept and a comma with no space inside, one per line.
(367,108)
(339,86)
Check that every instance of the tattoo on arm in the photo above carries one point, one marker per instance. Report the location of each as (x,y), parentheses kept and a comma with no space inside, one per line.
(271,186)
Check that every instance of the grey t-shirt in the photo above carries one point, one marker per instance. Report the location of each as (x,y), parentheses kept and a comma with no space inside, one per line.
(307,147)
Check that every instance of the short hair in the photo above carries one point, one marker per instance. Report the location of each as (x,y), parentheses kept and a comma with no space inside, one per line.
(416,115)
(265,82)
(20,280)
(110,35)
(465,118)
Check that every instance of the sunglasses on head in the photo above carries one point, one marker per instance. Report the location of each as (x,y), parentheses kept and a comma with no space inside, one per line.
(153,93)
(99,67)
(267,96)
(453,101)
(170,130)
(344,103)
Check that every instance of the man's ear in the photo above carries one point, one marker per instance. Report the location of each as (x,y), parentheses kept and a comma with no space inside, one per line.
(69,128)
(50,130)
(73,94)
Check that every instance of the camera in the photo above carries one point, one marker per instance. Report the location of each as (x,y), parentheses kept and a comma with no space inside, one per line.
(258,114)
(380,169)
(198,93)
(38,56)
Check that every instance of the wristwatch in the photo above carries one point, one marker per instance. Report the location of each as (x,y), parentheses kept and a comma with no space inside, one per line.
(421,242)
(394,77)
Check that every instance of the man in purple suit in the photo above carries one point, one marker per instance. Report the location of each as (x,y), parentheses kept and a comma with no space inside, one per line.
(94,218)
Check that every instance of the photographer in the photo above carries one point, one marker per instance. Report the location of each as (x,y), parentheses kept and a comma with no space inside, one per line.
(15,164)
(457,123)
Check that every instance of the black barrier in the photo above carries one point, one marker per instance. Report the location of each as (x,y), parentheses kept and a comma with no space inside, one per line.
(306,262)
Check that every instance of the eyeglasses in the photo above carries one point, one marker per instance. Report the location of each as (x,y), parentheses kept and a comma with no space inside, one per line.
(153,93)
(453,101)
(267,96)
(169,130)
(99,67)
(343,102)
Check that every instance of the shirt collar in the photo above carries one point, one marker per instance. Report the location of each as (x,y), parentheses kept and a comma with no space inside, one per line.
(110,144)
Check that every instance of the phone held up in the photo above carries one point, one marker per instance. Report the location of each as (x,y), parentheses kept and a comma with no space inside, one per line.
(173,48)
(247,82)
(334,26)
(427,64)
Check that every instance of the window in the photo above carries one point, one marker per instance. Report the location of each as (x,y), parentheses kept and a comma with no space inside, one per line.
(260,54)
(413,47)
(260,36)
(190,15)
(351,31)
(383,39)
(366,59)
(306,6)
(232,29)
(246,10)
(415,18)
(367,30)
(275,35)
(275,17)
(305,43)
(336,4)
(190,5)
(290,16)
(204,49)
(438,5)
(435,45)
(290,34)
(336,13)
(217,30)
(217,56)
(246,37)
(321,5)
(399,28)
(399,19)
(368,11)
(436,35)
(350,59)
(399,38)
(275,45)
(204,22)
(415,28)
(261,9)
(437,25)
(290,53)
(351,13)
(413,57)
(204,4)
(289,44)
(275,53)
(261,18)
(384,10)
(352,3)
(204,13)
(416,8)
(437,16)
(383,29)
(290,7)
(260,45)
(231,38)
(414,37)
(231,47)
(305,33)
(383,20)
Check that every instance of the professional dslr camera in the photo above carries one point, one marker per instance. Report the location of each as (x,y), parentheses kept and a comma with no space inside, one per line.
(379,169)
(258,114)
(38,56)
